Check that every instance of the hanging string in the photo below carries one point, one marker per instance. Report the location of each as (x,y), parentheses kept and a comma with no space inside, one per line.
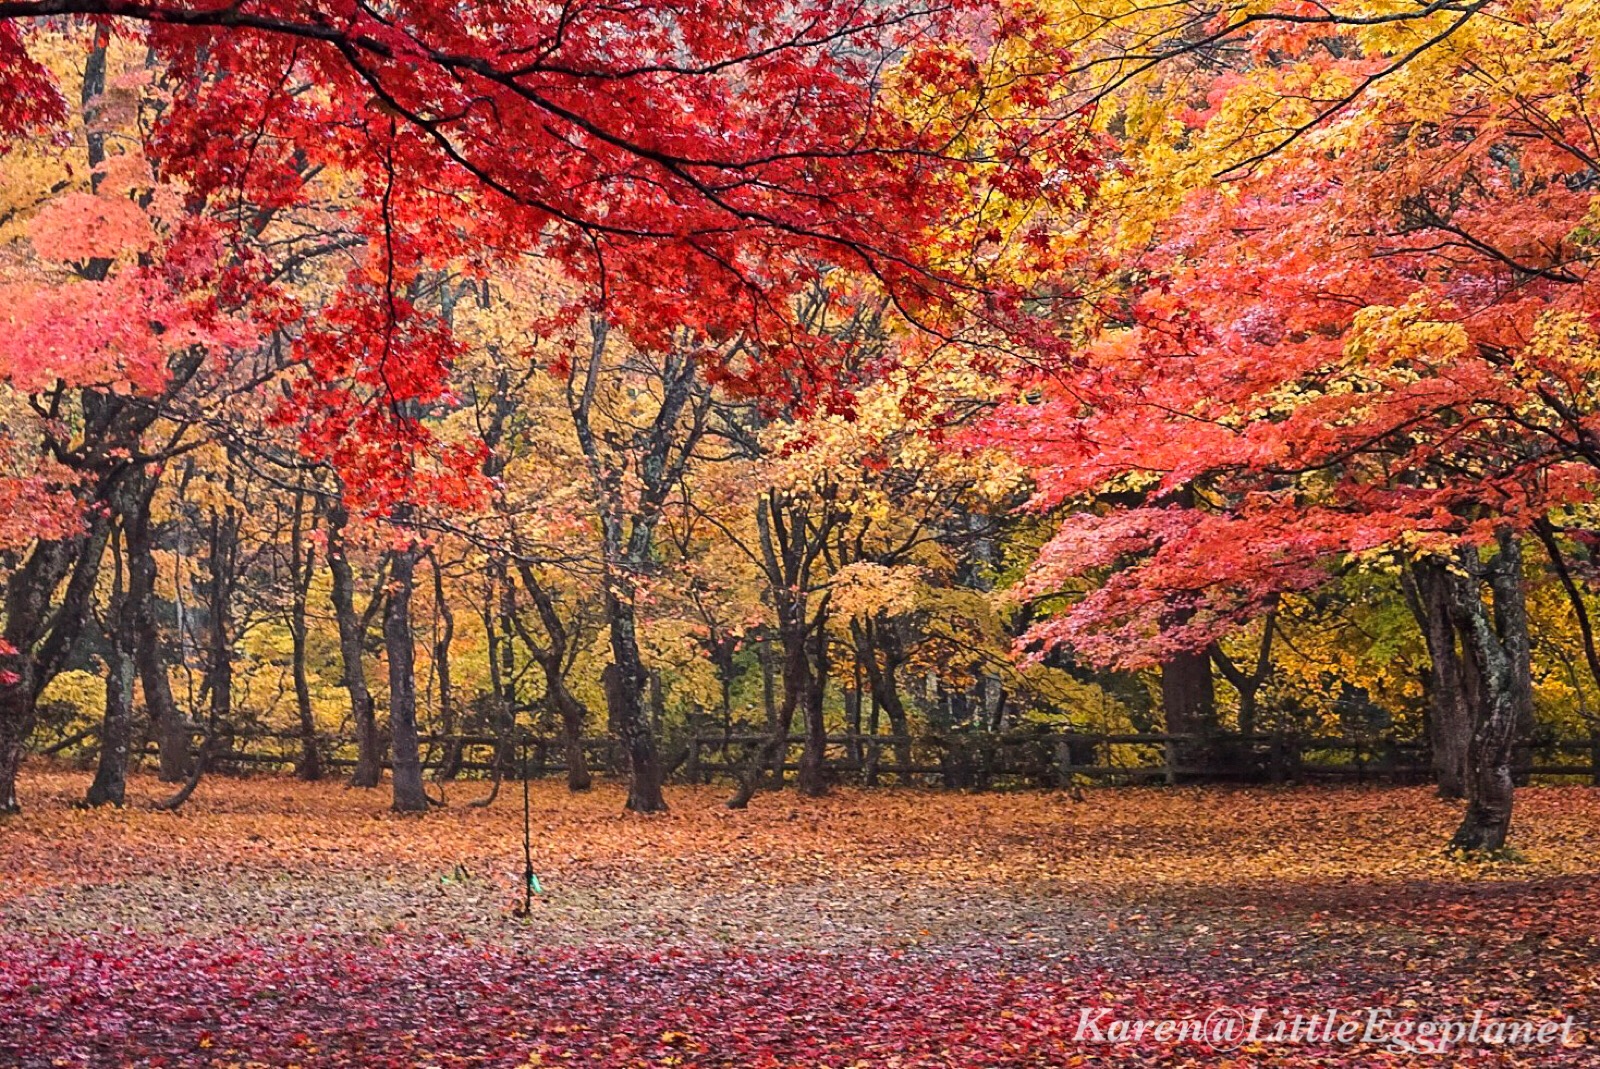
(530,882)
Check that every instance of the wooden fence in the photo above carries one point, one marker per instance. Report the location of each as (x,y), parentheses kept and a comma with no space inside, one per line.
(974,760)
(982,760)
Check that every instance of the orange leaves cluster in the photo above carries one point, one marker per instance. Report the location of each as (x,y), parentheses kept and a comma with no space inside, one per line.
(82,226)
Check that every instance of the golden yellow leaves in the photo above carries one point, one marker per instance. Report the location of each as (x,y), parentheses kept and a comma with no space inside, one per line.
(1414,333)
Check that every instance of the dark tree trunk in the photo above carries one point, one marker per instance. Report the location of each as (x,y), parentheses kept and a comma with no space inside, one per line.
(627,705)
(1189,700)
(116,730)
(1500,642)
(770,754)
(872,641)
(658,454)
(172,731)
(504,676)
(302,559)
(796,685)
(852,698)
(409,794)
(221,576)
(572,715)
(1452,674)
(779,716)
(1248,685)
(554,657)
(16,724)
(116,733)
(36,639)
(352,651)
(805,657)
(722,657)
(450,760)
(494,579)
(874,755)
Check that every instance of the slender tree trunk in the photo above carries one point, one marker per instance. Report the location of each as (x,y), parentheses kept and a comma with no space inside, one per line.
(572,715)
(35,638)
(494,578)
(221,567)
(553,656)
(723,657)
(810,660)
(778,718)
(352,643)
(883,678)
(769,755)
(1430,591)
(409,794)
(450,760)
(310,765)
(874,751)
(172,731)
(116,731)
(301,564)
(852,713)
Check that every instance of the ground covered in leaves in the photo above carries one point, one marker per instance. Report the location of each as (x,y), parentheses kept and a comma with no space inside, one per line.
(273,923)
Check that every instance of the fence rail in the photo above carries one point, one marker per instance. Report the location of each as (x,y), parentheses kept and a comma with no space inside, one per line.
(974,760)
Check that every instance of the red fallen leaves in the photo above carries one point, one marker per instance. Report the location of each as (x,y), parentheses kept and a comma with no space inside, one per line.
(116,1000)
(276,924)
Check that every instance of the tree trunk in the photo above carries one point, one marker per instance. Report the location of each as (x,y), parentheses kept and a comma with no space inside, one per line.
(775,755)
(883,679)
(807,658)
(409,793)
(627,705)
(352,643)
(553,657)
(1189,700)
(1500,643)
(302,559)
(16,724)
(111,771)
(658,454)
(771,752)
(36,639)
(172,731)
(309,767)
(1452,673)
(722,657)
(450,760)
(222,573)
(116,732)
(572,715)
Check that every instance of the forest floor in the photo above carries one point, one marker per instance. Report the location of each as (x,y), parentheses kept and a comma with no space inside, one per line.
(274,923)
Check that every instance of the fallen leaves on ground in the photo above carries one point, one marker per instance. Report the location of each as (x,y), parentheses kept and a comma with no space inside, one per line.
(275,923)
